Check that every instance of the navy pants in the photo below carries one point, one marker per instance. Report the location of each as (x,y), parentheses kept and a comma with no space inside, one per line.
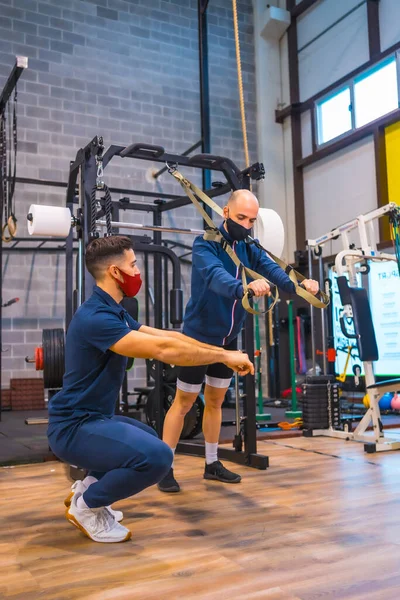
(125,455)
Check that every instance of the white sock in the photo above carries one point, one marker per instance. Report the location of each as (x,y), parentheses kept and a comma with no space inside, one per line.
(173,452)
(81,504)
(89,480)
(211,453)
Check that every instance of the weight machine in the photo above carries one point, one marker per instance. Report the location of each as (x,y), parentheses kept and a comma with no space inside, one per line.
(356,307)
(92,215)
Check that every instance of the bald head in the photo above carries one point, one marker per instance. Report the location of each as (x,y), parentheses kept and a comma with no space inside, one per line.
(243,199)
(242,207)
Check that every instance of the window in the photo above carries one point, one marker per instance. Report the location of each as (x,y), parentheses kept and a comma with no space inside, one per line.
(334,116)
(360,101)
(375,93)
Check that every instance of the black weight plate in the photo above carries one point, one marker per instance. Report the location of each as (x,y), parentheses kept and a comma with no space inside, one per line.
(59,334)
(47,359)
(53,357)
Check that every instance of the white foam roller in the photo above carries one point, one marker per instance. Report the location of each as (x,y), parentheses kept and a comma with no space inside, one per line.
(49,220)
(269,231)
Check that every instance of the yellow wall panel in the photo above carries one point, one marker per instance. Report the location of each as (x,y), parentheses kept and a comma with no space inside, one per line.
(392,142)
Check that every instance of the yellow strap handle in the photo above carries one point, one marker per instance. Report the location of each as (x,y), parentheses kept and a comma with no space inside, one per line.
(11,227)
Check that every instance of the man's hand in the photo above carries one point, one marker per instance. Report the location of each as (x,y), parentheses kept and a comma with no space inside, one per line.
(238,361)
(311,286)
(260,287)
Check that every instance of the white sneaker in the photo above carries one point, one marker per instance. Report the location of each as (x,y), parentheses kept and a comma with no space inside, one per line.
(80,487)
(97,523)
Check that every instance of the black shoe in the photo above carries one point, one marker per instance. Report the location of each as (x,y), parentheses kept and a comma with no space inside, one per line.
(169,483)
(217,471)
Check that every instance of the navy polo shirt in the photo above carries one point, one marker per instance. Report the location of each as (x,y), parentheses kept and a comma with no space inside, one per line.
(93,373)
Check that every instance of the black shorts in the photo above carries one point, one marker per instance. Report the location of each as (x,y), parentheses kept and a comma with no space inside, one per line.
(218,375)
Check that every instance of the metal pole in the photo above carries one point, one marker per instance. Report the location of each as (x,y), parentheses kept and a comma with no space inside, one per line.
(204,91)
(293,412)
(69,274)
(249,400)
(122,225)
(323,317)
(310,272)
(158,375)
(80,270)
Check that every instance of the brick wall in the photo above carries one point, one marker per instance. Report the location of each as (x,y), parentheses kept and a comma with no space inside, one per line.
(126,70)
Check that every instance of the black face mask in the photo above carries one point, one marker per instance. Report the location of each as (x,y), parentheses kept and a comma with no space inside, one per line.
(237,231)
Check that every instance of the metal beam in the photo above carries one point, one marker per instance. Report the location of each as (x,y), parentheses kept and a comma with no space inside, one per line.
(204,92)
(21,63)
(374,39)
(296,132)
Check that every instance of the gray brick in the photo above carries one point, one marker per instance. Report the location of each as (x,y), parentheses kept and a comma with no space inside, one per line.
(24,323)
(26,98)
(52,57)
(12,36)
(72,15)
(29,147)
(59,92)
(13,337)
(106,13)
(39,65)
(26,4)
(46,125)
(62,24)
(50,102)
(32,337)
(39,137)
(139,31)
(5,22)
(8,11)
(61,47)
(37,88)
(50,32)
(49,9)
(73,84)
(25,27)
(73,38)
(50,79)
(37,41)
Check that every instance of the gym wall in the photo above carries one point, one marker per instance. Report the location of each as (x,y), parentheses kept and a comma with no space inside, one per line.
(343,185)
(127,70)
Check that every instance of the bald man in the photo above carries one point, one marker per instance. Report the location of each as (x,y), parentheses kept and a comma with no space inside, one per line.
(215,315)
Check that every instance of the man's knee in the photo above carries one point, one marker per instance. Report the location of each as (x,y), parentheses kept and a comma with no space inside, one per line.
(183,402)
(160,461)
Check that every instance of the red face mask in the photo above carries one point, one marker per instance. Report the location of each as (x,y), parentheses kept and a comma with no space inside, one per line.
(131,284)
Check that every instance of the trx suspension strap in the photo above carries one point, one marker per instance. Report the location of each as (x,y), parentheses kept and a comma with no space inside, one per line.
(213,234)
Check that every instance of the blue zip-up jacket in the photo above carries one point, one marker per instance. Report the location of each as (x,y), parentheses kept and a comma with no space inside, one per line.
(214,313)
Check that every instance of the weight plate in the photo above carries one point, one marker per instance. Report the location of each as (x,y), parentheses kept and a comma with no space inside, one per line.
(53,357)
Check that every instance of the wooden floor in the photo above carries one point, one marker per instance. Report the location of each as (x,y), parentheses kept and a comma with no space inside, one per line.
(322,522)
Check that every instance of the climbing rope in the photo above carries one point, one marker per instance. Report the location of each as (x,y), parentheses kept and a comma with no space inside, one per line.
(240,83)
